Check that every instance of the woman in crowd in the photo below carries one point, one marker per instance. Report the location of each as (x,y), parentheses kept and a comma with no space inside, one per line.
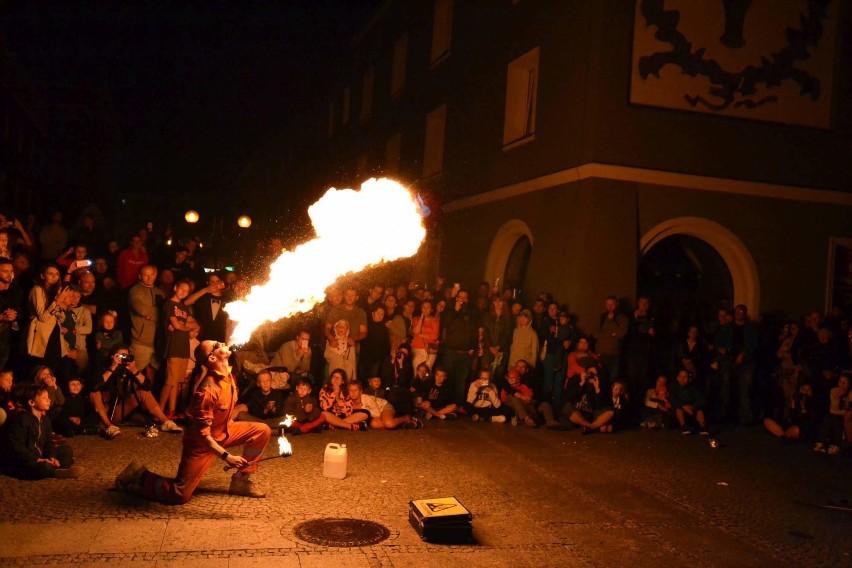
(425,331)
(47,306)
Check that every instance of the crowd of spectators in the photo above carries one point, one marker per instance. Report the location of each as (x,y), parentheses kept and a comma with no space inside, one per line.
(107,333)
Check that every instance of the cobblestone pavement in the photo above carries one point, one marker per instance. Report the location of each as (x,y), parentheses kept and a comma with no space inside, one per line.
(539,498)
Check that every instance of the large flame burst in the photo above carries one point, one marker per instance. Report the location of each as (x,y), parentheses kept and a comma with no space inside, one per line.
(354,230)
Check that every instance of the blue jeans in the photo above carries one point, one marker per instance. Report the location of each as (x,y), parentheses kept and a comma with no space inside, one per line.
(552,379)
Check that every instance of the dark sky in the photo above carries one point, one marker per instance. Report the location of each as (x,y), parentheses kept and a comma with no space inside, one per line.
(198,86)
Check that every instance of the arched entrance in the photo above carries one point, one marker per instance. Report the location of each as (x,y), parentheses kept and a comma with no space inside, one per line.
(696,265)
(509,255)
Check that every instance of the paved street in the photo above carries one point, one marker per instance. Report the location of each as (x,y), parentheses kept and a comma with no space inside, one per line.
(539,498)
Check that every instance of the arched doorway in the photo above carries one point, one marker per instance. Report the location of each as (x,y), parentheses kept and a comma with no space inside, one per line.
(509,255)
(687,282)
(693,247)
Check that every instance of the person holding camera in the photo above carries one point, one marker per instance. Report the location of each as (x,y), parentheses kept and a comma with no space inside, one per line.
(212,430)
(589,406)
(122,388)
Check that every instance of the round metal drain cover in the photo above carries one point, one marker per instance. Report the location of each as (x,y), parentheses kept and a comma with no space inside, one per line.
(341,532)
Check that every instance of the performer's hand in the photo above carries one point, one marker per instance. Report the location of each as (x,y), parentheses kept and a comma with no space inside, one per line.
(238,462)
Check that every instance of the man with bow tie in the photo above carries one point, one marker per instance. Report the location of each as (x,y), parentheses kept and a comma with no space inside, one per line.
(209,311)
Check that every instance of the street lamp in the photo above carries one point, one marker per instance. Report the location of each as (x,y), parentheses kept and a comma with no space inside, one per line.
(244,221)
(217,235)
(191,216)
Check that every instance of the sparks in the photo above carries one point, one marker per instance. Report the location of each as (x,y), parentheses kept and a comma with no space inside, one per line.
(355,229)
(284,447)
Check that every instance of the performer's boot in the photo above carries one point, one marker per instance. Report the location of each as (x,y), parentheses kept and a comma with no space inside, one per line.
(241,484)
(130,477)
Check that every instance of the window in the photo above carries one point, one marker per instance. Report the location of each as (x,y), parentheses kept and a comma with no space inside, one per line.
(442,28)
(433,153)
(400,55)
(367,95)
(330,119)
(392,154)
(521,90)
(347,99)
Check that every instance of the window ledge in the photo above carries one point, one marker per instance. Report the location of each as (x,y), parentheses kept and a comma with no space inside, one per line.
(519,142)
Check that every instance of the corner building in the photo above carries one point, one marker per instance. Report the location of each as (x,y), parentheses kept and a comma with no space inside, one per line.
(697,152)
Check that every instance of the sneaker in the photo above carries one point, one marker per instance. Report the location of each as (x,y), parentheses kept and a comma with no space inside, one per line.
(72,472)
(833,450)
(686,432)
(243,486)
(130,476)
(474,417)
(451,416)
(819,447)
(498,418)
(415,423)
(112,432)
(170,426)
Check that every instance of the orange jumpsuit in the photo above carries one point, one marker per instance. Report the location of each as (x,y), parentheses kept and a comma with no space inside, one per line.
(210,413)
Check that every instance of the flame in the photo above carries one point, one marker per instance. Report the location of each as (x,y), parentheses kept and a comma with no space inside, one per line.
(355,229)
(284,447)
(288,421)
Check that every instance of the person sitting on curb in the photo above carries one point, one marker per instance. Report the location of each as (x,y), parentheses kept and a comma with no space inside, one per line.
(212,430)
(688,403)
(483,402)
(437,397)
(27,450)
(382,413)
(657,412)
(588,407)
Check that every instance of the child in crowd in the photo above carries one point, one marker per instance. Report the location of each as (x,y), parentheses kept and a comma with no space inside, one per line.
(437,398)
(518,397)
(337,407)
(106,337)
(420,382)
(657,412)
(7,401)
(76,417)
(483,402)
(688,403)
(382,413)
(831,434)
(619,405)
(795,419)
(43,376)
(305,410)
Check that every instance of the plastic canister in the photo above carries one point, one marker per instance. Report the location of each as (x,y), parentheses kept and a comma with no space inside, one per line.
(334,463)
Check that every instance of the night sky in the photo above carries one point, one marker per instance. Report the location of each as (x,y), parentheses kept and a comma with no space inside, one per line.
(199,87)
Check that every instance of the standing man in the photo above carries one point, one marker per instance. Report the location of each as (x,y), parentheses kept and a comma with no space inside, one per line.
(144,315)
(212,429)
(10,305)
(209,310)
(355,316)
(736,344)
(608,338)
(130,262)
(459,341)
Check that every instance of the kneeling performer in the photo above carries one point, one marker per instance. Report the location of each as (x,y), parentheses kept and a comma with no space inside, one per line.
(211,430)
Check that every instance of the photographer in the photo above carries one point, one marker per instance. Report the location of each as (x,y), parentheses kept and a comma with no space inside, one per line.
(120,389)
(587,401)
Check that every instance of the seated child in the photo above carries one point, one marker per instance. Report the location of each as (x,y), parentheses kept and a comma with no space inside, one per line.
(658,411)
(305,409)
(483,401)
(338,409)
(518,398)
(688,403)
(420,382)
(76,416)
(619,405)
(27,450)
(7,400)
(437,397)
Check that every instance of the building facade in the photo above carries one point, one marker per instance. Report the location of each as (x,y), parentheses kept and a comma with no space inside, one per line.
(699,153)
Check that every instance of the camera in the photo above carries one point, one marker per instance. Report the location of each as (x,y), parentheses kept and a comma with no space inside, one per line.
(125,358)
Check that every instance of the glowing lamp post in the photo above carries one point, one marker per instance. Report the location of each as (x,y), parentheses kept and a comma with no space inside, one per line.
(244,221)
(191,216)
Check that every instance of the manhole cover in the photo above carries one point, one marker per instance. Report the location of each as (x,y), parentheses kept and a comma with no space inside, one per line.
(341,532)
